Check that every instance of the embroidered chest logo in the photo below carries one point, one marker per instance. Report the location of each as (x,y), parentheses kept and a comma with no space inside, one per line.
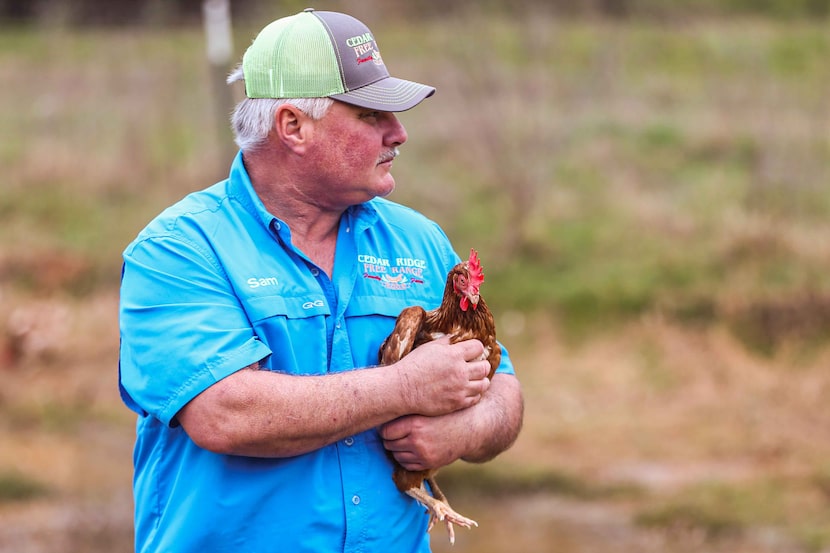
(399,273)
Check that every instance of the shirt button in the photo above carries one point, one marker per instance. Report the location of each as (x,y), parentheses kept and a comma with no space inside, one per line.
(349,441)
(338,324)
(356,499)
(315,271)
(277,226)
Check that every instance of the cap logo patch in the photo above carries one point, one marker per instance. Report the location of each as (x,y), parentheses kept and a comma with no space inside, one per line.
(359,39)
(373,56)
(365,49)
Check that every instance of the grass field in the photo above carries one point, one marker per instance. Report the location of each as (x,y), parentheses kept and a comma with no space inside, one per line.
(651,207)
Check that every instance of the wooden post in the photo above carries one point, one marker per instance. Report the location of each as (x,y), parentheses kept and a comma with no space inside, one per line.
(216,15)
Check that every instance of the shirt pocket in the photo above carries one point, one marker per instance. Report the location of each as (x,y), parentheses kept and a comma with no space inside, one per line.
(294,329)
(370,319)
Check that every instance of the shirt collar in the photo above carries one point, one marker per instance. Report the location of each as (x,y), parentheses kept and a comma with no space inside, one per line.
(241,189)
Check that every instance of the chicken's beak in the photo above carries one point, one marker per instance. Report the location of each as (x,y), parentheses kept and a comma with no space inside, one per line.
(474,298)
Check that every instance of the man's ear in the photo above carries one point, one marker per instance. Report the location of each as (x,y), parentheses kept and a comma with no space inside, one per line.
(293,127)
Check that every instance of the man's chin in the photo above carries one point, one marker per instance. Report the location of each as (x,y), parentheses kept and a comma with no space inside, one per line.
(386,187)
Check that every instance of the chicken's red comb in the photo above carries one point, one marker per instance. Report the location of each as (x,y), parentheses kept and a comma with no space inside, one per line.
(474,269)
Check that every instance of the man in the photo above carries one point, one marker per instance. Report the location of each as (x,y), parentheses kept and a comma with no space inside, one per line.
(247,308)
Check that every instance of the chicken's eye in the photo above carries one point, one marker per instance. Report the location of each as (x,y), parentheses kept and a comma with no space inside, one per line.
(462,281)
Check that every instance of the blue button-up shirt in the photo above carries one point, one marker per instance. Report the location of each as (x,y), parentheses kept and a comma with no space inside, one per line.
(213,285)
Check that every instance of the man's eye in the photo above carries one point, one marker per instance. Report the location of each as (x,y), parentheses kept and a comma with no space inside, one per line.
(370,114)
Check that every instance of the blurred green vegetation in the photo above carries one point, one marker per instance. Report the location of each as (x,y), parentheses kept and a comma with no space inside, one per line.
(17,487)
(720,510)
(482,481)
(603,169)
(88,13)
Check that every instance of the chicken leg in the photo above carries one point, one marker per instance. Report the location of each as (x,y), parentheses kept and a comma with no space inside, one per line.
(439,508)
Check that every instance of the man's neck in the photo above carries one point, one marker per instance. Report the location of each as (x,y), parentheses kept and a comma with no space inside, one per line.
(314,226)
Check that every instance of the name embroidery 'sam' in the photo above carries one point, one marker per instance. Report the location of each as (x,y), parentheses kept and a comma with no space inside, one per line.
(260,282)
(394,274)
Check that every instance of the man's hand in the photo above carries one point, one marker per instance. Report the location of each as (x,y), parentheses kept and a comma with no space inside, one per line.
(438,378)
(476,434)
(419,443)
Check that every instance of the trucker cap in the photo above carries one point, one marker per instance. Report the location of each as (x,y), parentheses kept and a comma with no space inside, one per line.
(316,54)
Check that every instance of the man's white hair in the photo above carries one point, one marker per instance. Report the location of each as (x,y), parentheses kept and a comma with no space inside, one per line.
(253,118)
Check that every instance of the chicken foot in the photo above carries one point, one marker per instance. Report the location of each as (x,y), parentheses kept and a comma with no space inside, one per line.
(439,508)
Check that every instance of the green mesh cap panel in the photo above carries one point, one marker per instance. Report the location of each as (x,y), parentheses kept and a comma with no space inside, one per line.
(292,58)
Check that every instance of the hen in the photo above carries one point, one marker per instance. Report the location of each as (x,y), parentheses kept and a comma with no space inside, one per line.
(462,315)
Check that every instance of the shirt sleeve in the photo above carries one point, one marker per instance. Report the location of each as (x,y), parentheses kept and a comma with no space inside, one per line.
(506,365)
(182,326)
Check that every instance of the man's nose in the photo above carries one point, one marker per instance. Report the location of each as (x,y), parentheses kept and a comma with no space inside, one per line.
(396,133)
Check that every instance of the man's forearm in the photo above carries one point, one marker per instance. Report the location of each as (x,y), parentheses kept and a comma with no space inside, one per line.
(496,420)
(267,414)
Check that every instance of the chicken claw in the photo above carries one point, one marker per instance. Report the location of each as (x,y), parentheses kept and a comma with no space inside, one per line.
(440,509)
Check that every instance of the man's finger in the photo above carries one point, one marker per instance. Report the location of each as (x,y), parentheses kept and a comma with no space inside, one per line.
(394,445)
(479,370)
(394,430)
(472,349)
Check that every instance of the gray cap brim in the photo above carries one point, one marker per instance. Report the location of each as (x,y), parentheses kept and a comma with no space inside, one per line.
(388,94)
